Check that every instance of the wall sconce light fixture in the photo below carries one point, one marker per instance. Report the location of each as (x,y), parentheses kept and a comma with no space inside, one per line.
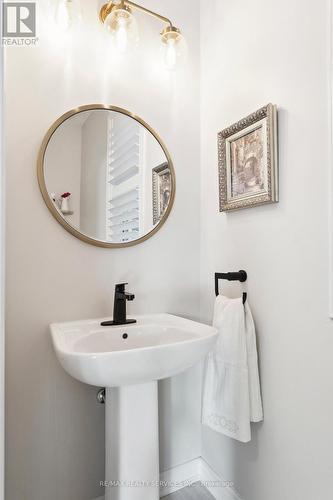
(119,20)
(117,16)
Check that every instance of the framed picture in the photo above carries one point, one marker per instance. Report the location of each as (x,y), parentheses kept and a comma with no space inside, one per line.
(248,163)
(161,190)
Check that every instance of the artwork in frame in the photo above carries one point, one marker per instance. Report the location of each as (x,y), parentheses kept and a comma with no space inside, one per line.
(161,190)
(248,161)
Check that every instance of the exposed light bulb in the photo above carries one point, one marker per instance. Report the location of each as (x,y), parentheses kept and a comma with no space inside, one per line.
(68,12)
(122,27)
(121,38)
(170,54)
(173,47)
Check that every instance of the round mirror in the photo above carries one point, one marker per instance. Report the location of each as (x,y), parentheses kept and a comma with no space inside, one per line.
(106,176)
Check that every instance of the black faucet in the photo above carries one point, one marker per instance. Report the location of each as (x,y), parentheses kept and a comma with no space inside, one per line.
(119,308)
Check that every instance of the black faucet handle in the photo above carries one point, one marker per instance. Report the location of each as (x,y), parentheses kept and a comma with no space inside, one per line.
(120,287)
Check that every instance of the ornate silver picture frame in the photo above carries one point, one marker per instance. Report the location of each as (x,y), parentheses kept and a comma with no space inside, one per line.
(248,161)
(161,190)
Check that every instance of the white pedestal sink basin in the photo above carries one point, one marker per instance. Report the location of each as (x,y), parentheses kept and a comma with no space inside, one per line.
(128,361)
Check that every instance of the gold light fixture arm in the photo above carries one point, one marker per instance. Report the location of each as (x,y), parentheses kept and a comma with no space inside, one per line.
(150,12)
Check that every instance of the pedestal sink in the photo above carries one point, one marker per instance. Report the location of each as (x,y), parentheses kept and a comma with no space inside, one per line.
(128,361)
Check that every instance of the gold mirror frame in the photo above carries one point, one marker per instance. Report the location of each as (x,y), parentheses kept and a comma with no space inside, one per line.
(52,208)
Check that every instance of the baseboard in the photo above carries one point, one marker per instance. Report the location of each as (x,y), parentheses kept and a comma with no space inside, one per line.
(191,472)
(179,477)
(215,484)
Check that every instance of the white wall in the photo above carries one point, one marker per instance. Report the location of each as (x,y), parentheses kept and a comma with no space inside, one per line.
(254,53)
(2,291)
(55,435)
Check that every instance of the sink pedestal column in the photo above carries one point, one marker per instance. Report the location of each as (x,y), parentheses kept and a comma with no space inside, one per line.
(131,443)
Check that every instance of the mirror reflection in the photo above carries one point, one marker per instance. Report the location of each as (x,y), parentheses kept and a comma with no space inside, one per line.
(108,176)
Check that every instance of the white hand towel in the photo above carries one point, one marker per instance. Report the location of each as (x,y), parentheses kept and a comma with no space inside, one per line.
(231,391)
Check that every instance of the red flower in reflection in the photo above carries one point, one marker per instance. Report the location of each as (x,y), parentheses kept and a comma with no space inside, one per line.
(65,195)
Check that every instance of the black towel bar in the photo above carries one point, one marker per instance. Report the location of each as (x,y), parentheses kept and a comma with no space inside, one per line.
(238,276)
